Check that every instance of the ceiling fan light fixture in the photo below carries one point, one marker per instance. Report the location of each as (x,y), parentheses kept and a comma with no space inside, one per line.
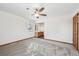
(36,15)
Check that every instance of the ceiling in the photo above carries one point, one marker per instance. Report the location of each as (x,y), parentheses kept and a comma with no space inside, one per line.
(51,9)
(60,9)
(17,8)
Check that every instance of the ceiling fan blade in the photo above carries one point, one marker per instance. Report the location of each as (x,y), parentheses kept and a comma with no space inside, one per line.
(41,9)
(43,14)
(36,9)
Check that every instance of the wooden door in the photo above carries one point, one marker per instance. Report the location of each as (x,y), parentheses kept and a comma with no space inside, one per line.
(75,30)
(78,34)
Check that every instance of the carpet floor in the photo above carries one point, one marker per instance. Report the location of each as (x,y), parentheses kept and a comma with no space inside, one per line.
(38,47)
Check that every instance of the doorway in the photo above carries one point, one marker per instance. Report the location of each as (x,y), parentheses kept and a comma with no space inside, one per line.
(39,30)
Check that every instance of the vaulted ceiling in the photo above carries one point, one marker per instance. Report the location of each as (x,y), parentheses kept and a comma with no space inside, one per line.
(52,9)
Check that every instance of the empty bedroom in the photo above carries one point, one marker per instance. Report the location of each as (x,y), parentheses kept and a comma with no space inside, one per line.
(39,29)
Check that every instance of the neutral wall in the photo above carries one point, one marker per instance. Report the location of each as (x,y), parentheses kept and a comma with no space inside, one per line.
(59,28)
(13,28)
(58,22)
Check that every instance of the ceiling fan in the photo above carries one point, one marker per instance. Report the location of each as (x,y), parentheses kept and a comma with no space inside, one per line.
(38,12)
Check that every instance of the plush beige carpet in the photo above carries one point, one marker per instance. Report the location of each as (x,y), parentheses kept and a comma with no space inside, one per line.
(38,47)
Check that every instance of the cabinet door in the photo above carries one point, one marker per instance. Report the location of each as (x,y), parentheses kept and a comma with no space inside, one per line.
(75,34)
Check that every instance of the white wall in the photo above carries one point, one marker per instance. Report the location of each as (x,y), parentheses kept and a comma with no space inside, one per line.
(13,28)
(59,28)
(58,22)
